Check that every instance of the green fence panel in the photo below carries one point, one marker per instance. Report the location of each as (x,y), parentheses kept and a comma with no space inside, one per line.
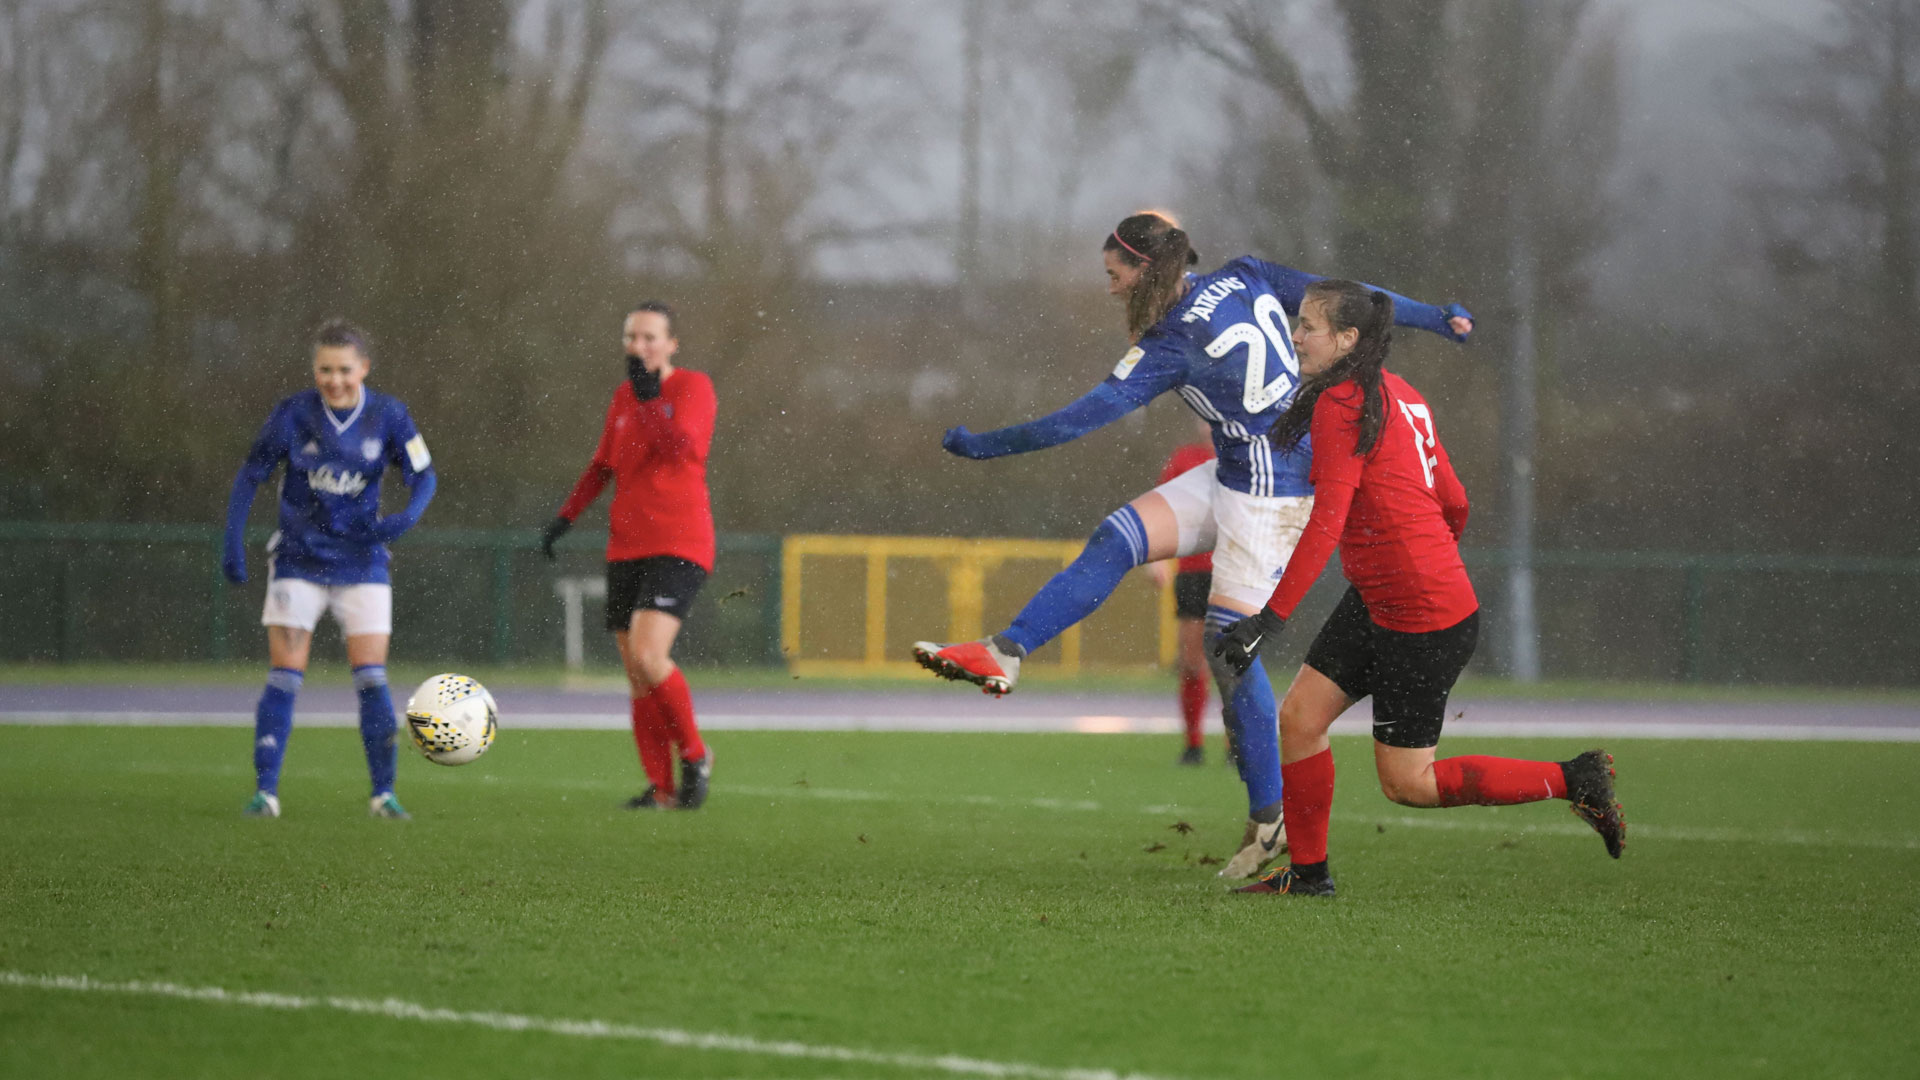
(104,592)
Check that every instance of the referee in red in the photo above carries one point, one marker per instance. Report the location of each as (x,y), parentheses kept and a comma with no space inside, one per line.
(660,547)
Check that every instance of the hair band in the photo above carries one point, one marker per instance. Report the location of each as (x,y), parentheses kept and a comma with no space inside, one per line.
(1129,247)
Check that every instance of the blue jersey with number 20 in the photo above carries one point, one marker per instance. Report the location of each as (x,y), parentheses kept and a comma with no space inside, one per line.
(1227,348)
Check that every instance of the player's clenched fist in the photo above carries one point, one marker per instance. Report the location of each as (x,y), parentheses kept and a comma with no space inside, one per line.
(1238,644)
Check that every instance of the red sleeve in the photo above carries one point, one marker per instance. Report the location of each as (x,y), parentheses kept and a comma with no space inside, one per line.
(1172,470)
(1452,495)
(685,433)
(1336,476)
(600,470)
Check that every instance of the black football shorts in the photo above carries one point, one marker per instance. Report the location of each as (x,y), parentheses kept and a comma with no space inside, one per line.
(1190,592)
(656,583)
(1408,675)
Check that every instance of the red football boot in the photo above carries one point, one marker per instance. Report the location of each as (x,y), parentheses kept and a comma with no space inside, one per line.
(978,662)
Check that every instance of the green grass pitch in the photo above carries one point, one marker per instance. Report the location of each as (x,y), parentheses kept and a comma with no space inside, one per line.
(1024,902)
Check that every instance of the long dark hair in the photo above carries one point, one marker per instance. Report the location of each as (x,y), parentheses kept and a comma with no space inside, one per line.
(1347,305)
(1156,241)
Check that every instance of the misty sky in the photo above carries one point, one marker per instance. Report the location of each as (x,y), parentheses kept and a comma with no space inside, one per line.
(1680,150)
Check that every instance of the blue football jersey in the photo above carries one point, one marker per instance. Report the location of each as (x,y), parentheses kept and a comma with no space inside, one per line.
(330,494)
(1227,349)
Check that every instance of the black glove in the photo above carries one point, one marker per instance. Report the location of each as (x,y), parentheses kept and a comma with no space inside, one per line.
(555,529)
(1238,645)
(646,384)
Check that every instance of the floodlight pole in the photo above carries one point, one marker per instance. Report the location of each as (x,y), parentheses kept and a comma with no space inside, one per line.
(967,243)
(1518,435)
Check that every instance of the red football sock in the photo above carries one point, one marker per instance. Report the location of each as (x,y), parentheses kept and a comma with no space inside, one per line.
(1193,703)
(1474,780)
(1308,799)
(676,711)
(650,738)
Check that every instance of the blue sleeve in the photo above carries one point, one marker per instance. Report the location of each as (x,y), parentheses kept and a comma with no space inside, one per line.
(1096,409)
(423,484)
(407,451)
(268,451)
(1290,286)
(1148,370)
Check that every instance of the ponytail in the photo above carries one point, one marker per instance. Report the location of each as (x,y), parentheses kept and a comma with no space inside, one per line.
(1155,241)
(1347,305)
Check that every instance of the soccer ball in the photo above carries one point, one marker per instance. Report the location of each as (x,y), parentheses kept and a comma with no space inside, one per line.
(452,719)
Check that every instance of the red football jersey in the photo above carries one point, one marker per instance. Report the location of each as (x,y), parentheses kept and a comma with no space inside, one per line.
(1184,458)
(1396,514)
(655,452)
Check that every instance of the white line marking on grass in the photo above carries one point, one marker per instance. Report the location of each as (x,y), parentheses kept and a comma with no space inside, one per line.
(394,1008)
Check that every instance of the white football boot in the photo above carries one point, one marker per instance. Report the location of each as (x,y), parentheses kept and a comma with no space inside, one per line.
(1262,844)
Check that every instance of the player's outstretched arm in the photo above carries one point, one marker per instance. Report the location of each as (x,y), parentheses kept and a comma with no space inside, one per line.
(1290,285)
(1452,322)
(1098,408)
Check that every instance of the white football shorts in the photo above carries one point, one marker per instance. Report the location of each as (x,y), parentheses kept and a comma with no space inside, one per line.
(359,609)
(1251,536)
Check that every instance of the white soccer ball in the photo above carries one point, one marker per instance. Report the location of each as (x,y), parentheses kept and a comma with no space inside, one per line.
(452,719)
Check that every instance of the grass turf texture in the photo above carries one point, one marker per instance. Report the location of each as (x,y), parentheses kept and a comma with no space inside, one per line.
(931,894)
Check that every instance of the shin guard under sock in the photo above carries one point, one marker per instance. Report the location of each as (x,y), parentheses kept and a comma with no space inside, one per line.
(272,725)
(1248,699)
(1309,801)
(377,725)
(675,703)
(1117,546)
(650,738)
(1477,780)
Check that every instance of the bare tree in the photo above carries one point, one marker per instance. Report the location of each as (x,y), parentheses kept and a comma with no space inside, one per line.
(747,114)
(1837,152)
(1373,130)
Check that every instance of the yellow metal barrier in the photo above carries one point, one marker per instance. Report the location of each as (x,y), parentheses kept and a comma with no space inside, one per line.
(853,605)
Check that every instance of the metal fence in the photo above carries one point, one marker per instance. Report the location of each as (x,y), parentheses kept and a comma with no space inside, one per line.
(106,592)
(154,593)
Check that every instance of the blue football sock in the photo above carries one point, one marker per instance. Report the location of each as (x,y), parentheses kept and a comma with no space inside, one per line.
(272,724)
(1117,546)
(376,725)
(1249,706)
